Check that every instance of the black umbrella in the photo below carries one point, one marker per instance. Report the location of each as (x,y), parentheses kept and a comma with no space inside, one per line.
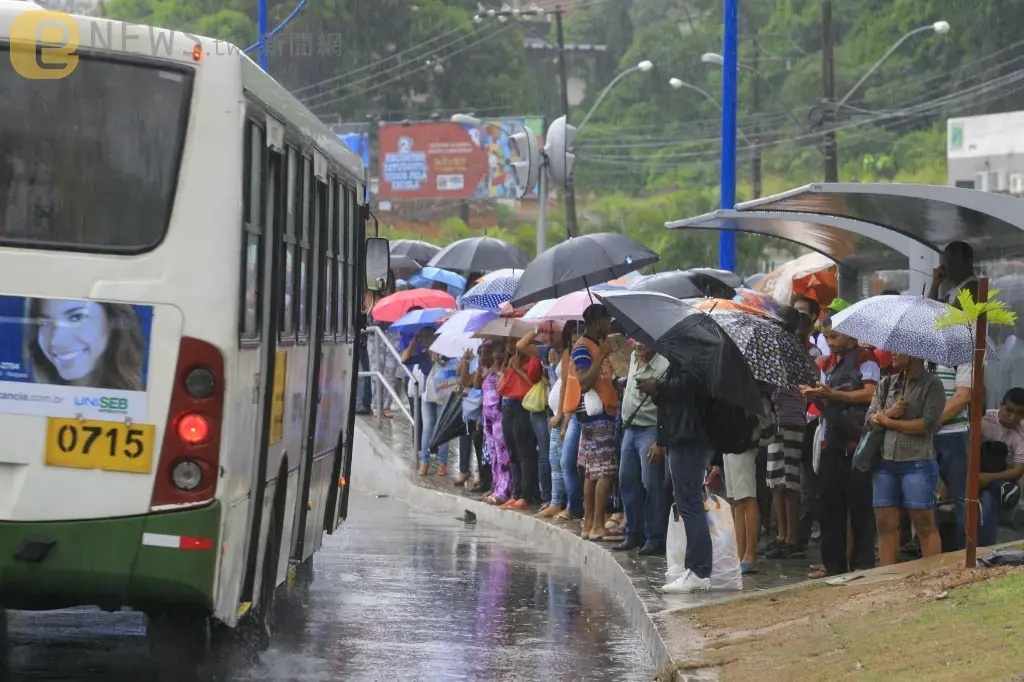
(690,337)
(579,263)
(404,264)
(449,424)
(480,254)
(681,284)
(729,278)
(416,249)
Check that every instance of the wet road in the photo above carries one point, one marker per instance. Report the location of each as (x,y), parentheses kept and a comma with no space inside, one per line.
(399,594)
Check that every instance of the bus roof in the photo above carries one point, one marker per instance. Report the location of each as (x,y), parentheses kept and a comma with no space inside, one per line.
(107,35)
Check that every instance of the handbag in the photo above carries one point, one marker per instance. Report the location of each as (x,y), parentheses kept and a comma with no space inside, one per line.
(472,405)
(536,399)
(869,449)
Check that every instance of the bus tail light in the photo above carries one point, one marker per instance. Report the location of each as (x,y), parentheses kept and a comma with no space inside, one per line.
(189,463)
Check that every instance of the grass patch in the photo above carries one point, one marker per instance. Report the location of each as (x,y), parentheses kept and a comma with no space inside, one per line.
(950,624)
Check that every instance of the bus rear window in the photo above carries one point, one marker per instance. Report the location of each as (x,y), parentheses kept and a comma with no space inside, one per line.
(89,162)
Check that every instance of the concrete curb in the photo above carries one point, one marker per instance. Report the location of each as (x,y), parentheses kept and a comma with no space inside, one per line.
(377,468)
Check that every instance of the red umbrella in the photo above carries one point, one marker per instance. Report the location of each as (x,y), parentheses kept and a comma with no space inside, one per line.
(390,308)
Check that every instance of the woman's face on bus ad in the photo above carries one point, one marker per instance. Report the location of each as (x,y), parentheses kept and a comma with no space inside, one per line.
(73,336)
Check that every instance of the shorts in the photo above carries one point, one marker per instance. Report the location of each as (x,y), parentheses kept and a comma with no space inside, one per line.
(741,475)
(907,485)
(785,457)
(598,449)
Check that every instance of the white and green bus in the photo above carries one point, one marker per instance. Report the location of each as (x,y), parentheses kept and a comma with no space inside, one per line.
(182,251)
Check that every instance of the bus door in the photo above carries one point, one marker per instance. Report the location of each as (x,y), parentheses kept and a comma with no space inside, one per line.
(263,388)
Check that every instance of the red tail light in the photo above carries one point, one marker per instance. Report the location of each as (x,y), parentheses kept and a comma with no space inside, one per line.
(190,457)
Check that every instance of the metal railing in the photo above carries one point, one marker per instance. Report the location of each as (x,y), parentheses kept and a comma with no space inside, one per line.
(414,418)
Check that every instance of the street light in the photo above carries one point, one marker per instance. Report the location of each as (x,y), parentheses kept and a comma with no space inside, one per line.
(940,27)
(678,83)
(642,67)
(718,60)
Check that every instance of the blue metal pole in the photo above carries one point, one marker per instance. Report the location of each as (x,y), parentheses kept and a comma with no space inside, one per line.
(261,27)
(730,73)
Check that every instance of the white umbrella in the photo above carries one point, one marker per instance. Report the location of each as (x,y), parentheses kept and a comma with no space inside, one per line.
(454,345)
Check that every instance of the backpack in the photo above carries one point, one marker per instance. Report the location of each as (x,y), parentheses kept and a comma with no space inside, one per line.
(732,429)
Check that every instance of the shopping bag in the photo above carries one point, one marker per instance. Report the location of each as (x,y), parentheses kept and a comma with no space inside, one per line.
(536,399)
(725,561)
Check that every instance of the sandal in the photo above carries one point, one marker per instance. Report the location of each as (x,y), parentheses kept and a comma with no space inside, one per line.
(817,575)
(747,569)
(442,470)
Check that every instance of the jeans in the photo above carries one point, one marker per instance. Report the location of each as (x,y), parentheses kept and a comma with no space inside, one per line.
(991,510)
(688,464)
(474,438)
(364,389)
(951,454)
(522,450)
(429,414)
(539,423)
(570,472)
(558,497)
(905,485)
(642,485)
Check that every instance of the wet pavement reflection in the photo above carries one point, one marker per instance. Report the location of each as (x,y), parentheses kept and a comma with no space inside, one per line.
(399,594)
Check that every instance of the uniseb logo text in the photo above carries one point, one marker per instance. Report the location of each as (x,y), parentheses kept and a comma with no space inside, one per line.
(112,405)
(43,45)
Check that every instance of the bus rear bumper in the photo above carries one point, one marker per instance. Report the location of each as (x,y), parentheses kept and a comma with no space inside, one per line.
(141,562)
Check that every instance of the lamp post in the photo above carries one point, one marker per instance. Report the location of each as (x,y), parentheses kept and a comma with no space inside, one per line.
(730,50)
(642,67)
(832,108)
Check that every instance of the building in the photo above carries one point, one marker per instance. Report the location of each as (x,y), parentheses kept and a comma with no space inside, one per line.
(986,152)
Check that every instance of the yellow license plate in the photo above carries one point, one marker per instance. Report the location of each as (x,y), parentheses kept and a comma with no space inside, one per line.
(113,446)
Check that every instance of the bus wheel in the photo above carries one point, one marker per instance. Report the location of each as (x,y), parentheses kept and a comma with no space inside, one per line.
(179,642)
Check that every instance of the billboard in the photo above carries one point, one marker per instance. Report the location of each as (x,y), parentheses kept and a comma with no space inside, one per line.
(74,358)
(451,160)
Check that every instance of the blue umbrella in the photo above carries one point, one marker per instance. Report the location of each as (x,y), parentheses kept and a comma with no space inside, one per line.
(456,284)
(466,321)
(493,290)
(414,320)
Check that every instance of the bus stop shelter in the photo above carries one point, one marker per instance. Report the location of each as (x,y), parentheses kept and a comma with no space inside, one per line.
(865,227)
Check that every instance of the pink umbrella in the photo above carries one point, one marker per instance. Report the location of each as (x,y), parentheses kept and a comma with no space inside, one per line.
(568,307)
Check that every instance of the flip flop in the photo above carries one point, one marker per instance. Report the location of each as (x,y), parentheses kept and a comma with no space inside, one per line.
(747,569)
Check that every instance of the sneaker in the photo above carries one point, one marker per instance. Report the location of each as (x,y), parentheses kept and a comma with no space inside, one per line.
(688,583)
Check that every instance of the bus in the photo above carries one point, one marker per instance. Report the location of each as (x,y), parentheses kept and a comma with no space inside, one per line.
(182,254)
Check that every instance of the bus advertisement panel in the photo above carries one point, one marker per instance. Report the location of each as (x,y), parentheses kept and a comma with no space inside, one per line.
(74,359)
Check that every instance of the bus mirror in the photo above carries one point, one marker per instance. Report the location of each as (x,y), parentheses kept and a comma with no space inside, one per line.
(378,263)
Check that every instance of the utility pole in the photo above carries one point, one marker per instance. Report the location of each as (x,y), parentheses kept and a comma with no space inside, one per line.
(261,27)
(828,77)
(755,109)
(542,213)
(570,191)
(730,56)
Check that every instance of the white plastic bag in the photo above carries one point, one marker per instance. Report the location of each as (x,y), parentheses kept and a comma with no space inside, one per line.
(816,451)
(725,561)
(592,403)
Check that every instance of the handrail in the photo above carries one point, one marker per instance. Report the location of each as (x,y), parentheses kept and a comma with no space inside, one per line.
(414,386)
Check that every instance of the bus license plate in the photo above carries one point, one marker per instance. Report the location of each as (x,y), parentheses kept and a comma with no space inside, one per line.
(113,446)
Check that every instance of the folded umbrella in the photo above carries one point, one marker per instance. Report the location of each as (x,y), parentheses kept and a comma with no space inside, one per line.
(449,424)
(579,263)
(682,285)
(391,308)
(428,275)
(482,254)
(775,356)
(906,325)
(689,337)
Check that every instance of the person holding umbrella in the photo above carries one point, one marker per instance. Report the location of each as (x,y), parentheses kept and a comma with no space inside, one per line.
(597,423)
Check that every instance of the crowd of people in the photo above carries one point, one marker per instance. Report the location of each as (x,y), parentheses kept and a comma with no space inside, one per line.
(552,427)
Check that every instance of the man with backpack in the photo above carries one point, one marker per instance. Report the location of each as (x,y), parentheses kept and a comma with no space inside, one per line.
(682,431)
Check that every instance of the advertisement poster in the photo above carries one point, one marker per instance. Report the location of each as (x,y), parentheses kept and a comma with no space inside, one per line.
(72,358)
(451,160)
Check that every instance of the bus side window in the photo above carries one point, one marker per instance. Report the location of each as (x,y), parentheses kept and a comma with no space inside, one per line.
(289,242)
(341,282)
(352,256)
(252,230)
(305,249)
(328,265)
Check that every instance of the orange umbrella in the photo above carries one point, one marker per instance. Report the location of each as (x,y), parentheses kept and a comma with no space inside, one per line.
(812,275)
(709,304)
